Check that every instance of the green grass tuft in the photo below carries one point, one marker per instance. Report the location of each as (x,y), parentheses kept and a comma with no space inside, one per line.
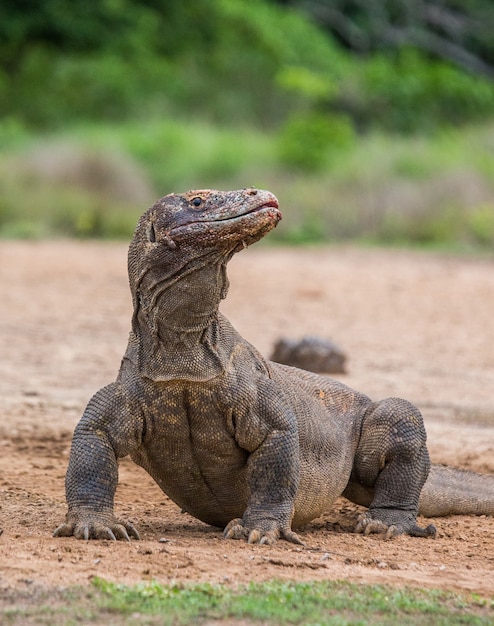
(274,602)
(278,602)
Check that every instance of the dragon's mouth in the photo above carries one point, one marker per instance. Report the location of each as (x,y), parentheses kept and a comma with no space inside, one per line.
(269,204)
(267,207)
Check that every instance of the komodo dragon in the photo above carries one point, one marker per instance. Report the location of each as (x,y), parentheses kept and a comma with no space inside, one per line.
(237,441)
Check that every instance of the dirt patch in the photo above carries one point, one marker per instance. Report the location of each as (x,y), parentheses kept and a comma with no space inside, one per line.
(414,325)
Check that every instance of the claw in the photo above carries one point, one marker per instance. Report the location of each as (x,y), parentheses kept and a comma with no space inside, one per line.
(125,530)
(86,533)
(391,532)
(234,529)
(359,528)
(269,538)
(64,530)
(293,537)
(254,536)
(235,532)
(120,532)
(429,531)
(367,526)
(133,532)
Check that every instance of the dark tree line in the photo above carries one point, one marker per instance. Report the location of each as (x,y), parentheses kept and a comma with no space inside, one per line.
(397,64)
(457,31)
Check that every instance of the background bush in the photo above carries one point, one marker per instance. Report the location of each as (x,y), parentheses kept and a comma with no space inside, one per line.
(369,124)
(232,62)
(311,141)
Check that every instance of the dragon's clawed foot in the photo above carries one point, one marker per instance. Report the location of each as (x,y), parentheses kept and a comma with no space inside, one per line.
(398,524)
(236,529)
(96,526)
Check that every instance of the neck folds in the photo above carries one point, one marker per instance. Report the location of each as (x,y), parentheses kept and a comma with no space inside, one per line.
(176,327)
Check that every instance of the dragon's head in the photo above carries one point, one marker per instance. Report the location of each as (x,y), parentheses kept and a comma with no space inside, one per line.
(187,231)
(209,218)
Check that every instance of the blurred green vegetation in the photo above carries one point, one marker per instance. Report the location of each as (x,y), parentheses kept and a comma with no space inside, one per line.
(270,603)
(104,108)
(226,61)
(93,181)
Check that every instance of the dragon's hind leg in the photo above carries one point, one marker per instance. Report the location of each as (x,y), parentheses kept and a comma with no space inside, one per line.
(392,464)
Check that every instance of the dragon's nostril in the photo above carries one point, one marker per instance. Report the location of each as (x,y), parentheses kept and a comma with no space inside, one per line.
(252,192)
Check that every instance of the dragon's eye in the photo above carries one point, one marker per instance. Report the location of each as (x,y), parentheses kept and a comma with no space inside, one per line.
(152,233)
(196,202)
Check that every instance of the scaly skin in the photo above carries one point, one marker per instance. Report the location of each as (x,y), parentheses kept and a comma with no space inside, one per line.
(237,441)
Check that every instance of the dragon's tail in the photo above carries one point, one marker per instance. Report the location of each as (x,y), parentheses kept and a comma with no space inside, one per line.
(450,491)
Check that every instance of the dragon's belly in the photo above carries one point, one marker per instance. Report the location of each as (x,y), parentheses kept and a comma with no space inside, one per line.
(207,481)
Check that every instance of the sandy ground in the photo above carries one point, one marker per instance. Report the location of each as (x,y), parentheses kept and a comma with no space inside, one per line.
(415,325)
